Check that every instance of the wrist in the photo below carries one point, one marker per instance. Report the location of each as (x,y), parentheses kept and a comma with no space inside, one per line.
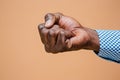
(93,41)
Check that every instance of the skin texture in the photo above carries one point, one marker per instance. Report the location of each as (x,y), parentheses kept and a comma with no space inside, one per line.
(62,33)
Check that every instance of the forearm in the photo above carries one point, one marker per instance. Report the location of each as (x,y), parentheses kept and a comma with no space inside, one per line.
(109,44)
(105,43)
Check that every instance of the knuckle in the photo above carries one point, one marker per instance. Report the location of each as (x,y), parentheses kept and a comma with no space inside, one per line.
(44,31)
(58,13)
(51,33)
(47,16)
(62,33)
(40,26)
(56,26)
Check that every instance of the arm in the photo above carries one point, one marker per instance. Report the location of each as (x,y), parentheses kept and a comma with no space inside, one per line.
(61,33)
(109,45)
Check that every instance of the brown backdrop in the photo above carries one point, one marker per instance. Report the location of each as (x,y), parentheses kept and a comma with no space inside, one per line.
(22,55)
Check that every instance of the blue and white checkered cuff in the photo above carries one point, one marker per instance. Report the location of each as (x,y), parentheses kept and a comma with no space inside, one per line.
(109,44)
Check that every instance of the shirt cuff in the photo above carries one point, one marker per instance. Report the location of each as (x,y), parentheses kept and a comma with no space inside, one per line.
(109,45)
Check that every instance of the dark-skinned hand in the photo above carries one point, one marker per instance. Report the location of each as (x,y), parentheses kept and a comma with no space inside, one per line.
(61,33)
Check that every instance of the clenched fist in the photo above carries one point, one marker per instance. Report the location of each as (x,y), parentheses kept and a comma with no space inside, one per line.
(62,33)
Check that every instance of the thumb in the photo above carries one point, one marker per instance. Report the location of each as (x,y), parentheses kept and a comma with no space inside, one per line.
(51,19)
(74,42)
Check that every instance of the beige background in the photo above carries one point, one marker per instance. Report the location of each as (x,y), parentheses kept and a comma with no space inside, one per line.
(22,55)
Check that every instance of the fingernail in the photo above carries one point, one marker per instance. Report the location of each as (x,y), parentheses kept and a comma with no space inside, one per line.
(69,44)
(48,23)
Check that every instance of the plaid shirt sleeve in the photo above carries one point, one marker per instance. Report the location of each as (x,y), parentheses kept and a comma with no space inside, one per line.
(109,45)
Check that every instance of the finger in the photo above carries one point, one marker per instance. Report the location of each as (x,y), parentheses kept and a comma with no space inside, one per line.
(47,49)
(44,35)
(40,27)
(69,43)
(51,19)
(52,38)
(60,45)
(68,34)
(74,43)
(57,29)
(52,35)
